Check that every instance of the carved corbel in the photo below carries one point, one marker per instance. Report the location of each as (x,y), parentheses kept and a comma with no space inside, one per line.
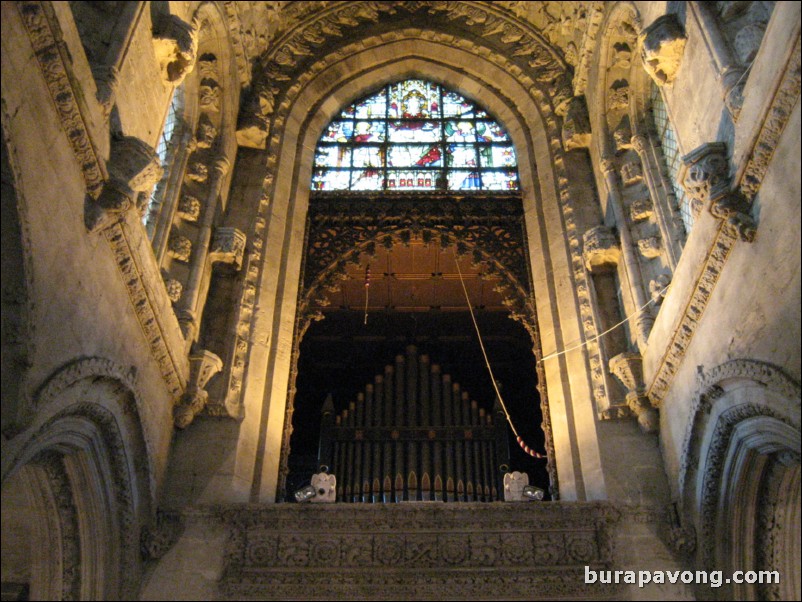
(133,168)
(203,365)
(627,368)
(254,125)
(576,125)
(600,249)
(662,44)
(706,179)
(107,80)
(228,246)
(175,43)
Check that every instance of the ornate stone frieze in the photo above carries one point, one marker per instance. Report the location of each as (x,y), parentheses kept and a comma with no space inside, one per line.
(662,44)
(175,43)
(277,552)
(228,246)
(600,249)
(627,367)
(133,167)
(706,179)
(650,247)
(189,208)
(179,247)
(203,365)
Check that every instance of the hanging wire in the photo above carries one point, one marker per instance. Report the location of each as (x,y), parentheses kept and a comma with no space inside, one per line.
(609,330)
(518,438)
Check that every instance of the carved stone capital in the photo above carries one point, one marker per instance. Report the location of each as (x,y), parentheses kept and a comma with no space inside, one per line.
(179,247)
(228,246)
(576,125)
(133,167)
(662,44)
(628,368)
(706,179)
(600,249)
(203,365)
(175,43)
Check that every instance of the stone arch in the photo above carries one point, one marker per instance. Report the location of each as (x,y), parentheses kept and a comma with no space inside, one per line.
(743,492)
(84,468)
(515,100)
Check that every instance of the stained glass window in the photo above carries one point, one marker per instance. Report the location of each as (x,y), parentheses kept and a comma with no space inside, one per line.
(668,140)
(414,135)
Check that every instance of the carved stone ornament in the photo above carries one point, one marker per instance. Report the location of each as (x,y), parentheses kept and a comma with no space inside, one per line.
(179,247)
(206,133)
(198,172)
(325,486)
(175,43)
(514,483)
(209,94)
(174,289)
(601,251)
(662,44)
(641,209)
(622,135)
(650,247)
(658,288)
(628,368)
(203,365)
(228,246)
(631,173)
(189,208)
(207,66)
(618,96)
(705,177)
(576,125)
(133,167)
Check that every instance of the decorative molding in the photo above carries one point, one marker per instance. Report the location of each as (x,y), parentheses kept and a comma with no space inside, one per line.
(278,552)
(203,365)
(662,44)
(144,308)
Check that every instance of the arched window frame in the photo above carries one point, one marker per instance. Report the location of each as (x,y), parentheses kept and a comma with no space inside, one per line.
(486,148)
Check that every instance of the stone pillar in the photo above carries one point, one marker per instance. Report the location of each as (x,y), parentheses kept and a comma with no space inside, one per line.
(731,75)
(628,368)
(189,315)
(644,319)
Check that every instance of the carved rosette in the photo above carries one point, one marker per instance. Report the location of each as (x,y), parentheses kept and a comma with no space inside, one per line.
(175,43)
(662,44)
(179,247)
(189,208)
(627,368)
(133,168)
(600,249)
(228,246)
(174,289)
(705,177)
(203,365)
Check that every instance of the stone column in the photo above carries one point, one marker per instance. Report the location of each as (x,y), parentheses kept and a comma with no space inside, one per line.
(655,178)
(644,320)
(188,317)
(731,75)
